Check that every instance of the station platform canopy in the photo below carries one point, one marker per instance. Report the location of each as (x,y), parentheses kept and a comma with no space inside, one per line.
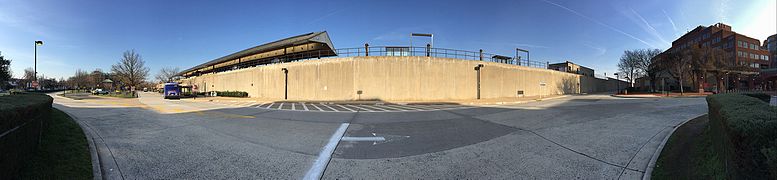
(305,46)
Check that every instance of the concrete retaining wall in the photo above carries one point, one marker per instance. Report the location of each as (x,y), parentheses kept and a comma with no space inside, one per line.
(395,79)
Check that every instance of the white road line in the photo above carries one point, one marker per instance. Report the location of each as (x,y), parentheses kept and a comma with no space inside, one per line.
(304,106)
(429,107)
(345,108)
(333,109)
(293,107)
(317,170)
(406,107)
(369,110)
(260,105)
(393,108)
(280,106)
(363,139)
(376,107)
(314,105)
(268,107)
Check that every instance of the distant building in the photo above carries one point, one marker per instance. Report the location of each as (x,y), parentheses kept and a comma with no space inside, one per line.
(572,68)
(769,75)
(745,55)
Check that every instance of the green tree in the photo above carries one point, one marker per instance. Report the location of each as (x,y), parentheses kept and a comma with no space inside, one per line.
(5,71)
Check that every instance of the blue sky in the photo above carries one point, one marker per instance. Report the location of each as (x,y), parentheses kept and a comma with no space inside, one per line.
(82,34)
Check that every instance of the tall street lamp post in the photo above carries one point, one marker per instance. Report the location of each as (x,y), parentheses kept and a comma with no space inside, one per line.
(516,55)
(617,84)
(37,43)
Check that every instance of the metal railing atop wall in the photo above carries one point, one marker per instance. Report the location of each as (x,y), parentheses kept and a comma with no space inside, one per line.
(424,51)
(388,51)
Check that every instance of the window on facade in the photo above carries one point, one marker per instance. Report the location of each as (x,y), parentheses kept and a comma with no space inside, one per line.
(739,43)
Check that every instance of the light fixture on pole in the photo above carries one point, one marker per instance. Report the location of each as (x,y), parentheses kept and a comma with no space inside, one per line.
(522,50)
(422,35)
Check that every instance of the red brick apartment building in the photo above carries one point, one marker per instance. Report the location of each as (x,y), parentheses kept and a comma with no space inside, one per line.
(745,52)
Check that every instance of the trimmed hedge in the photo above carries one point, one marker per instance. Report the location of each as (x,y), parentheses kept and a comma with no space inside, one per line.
(22,116)
(232,93)
(744,133)
(763,97)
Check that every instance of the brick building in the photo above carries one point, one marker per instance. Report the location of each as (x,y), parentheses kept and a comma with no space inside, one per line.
(744,55)
(572,68)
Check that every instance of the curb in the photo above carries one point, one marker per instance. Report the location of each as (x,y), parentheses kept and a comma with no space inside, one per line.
(651,165)
(103,163)
(96,173)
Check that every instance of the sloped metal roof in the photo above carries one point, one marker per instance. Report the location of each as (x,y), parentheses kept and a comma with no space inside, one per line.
(320,37)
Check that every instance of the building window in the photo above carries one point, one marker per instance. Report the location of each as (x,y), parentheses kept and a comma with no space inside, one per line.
(739,43)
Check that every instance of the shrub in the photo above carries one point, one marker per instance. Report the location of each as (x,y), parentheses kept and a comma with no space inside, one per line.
(21,118)
(771,158)
(232,93)
(743,126)
(763,97)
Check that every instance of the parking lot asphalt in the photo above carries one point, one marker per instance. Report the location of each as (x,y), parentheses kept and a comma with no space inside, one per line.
(587,136)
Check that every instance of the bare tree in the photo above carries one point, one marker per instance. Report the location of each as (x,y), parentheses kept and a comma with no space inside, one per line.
(644,60)
(131,69)
(677,65)
(96,77)
(166,74)
(629,65)
(79,80)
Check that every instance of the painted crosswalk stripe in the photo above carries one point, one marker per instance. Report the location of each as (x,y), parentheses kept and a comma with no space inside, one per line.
(333,109)
(280,106)
(383,108)
(369,110)
(268,106)
(345,108)
(293,107)
(405,107)
(429,107)
(393,108)
(259,106)
(314,105)
(304,106)
(372,107)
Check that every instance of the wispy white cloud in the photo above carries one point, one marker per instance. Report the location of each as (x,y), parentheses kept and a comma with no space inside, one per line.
(599,51)
(600,23)
(326,15)
(723,11)
(645,25)
(671,21)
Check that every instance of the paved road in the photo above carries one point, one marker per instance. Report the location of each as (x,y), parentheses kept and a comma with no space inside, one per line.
(588,137)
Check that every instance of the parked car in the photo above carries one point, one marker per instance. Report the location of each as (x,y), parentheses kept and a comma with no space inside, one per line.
(99,91)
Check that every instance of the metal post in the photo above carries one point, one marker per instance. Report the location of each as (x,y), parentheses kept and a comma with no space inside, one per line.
(36,63)
(481,54)
(366,49)
(428,49)
(286,83)
(477,68)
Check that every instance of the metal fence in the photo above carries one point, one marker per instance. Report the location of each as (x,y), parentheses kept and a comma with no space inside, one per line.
(384,51)
(408,51)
